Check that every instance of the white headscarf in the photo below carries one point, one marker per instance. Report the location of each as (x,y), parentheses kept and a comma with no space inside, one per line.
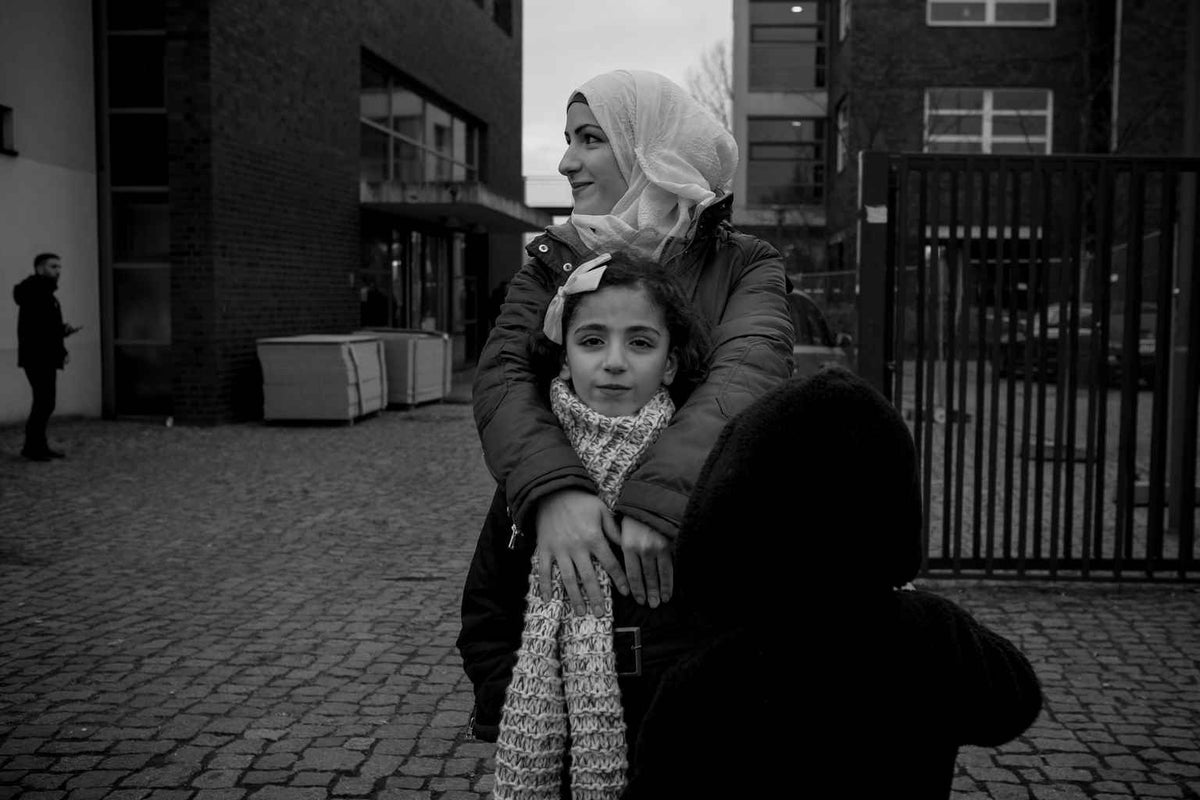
(675,157)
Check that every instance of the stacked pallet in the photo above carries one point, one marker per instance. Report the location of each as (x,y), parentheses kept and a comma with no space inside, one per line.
(418,364)
(322,376)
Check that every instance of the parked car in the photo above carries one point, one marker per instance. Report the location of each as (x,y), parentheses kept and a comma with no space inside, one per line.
(1043,358)
(816,344)
(1042,362)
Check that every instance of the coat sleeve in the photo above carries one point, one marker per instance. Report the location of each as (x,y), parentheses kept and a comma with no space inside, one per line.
(524,445)
(982,685)
(752,352)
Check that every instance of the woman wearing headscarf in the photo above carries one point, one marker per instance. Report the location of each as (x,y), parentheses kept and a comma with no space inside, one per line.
(650,173)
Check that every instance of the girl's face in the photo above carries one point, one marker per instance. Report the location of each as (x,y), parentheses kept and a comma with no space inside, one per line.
(618,350)
(590,164)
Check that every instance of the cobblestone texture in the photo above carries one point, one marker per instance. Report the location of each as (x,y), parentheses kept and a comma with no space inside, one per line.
(256,612)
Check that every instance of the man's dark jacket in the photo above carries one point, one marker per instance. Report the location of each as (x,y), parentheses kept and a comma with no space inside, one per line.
(40,329)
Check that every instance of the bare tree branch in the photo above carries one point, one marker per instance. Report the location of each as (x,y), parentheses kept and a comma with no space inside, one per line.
(710,83)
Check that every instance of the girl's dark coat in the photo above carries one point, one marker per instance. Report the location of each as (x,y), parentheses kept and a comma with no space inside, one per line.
(816,671)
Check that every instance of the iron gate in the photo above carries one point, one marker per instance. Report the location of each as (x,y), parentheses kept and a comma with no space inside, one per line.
(1031,317)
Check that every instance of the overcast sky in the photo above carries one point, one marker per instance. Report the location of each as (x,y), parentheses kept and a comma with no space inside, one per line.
(569,41)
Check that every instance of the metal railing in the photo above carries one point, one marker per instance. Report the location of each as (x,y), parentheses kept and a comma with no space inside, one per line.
(1032,317)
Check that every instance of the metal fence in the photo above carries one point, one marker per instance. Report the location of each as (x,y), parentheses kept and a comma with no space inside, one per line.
(1031,316)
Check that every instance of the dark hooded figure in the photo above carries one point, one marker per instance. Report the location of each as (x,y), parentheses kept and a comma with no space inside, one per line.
(818,666)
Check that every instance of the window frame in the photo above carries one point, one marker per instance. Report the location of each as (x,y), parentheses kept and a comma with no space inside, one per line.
(816,191)
(428,154)
(819,45)
(988,115)
(989,20)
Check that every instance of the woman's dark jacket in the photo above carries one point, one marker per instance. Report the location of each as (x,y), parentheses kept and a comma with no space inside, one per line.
(40,329)
(737,283)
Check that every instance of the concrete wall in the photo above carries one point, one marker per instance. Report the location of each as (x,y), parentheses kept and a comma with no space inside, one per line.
(48,190)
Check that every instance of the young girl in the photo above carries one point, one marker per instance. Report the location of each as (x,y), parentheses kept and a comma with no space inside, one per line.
(619,340)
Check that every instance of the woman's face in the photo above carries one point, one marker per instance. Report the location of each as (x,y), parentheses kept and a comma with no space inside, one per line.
(590,164)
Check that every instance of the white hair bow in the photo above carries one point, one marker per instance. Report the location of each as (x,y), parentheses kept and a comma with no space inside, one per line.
(585,278)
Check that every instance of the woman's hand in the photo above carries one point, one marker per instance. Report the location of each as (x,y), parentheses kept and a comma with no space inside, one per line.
(648,559)
(572,527)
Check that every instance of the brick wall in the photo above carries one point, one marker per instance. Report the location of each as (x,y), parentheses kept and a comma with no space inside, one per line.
(1153,51)
(189,132)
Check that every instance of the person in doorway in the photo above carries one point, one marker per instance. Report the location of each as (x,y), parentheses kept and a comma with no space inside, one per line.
(41,349)
(880,686)
(624,346)
(650,173)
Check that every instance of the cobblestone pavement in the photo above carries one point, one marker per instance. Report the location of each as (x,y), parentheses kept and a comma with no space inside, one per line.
(261,612)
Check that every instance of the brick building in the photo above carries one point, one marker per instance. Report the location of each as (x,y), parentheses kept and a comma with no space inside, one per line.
(817,82)
(216,172)
(997,76)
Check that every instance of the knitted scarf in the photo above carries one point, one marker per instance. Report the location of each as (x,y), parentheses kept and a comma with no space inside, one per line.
(564,685)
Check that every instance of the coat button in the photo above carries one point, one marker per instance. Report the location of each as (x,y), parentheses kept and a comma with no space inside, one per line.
(543,248)
(567,267)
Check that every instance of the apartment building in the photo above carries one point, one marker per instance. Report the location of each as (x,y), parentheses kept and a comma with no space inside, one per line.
(781,120)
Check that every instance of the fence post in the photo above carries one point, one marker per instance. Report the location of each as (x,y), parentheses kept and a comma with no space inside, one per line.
(874,279)
(1181,475)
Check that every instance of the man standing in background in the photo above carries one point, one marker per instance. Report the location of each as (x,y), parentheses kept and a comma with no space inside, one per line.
(41,351)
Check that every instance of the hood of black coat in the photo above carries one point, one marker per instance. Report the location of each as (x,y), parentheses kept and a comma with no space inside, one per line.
(811,489)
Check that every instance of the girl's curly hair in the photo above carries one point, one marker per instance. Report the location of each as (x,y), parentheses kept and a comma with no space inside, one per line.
(688,333)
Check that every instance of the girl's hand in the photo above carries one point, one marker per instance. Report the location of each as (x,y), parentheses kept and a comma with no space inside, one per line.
(571,530)
(648,559)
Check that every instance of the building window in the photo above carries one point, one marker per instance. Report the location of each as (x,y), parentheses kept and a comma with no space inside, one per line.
(136,217)
(843,133)
(787,161)
(1037,13)
(409,138)
(7,143)
(843,19)
(1012,121)
(787,46)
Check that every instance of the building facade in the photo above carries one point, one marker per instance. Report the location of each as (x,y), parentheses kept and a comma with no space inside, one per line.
(780,120)
(997,76)
(262,169)
(818,82)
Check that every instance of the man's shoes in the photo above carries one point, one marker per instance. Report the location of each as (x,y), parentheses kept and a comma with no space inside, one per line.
(55,453)
(35,455)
